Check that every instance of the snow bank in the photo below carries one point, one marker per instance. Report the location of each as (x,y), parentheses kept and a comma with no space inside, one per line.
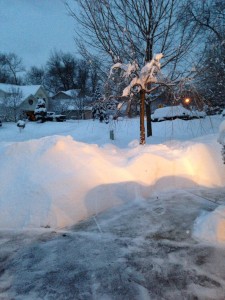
(56,181)
(210,227)
(45,182)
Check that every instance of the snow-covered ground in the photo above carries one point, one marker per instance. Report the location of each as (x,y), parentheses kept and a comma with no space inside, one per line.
(56,174)
(160,238)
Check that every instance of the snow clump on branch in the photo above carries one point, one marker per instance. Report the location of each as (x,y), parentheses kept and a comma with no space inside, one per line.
(139,79)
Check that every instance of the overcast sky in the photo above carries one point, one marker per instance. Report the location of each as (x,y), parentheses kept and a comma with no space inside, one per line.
(33,28)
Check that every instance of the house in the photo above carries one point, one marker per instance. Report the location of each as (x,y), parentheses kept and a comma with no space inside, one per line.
(71,104)
(65,95)
(20,100)
(76,113)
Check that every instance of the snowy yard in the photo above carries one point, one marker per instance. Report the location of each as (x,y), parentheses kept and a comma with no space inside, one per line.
(84,217)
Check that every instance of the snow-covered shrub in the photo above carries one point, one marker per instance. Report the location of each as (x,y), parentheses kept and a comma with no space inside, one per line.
(21,124)
(40,111)
(221,139)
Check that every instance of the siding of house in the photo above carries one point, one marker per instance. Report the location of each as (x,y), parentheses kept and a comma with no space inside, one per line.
(28,102)
(26,106)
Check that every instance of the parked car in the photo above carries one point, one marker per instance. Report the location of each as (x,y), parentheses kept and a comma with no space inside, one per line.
(52,116)
(175,112)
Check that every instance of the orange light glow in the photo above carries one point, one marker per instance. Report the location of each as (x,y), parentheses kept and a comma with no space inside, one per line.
(187,100)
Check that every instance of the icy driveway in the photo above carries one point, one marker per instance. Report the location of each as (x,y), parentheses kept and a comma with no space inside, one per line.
(143,250)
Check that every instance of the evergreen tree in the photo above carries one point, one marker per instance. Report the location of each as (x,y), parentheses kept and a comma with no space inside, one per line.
(211,77)
(96,95)
(40,111)
(99,111)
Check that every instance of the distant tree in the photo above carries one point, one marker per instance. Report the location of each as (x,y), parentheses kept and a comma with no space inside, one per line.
(209,16)
(10,67)
(11,104)
(61,72)
(35,76)
(97,95)
(4,75)
(99,107)
(40,111)
(211,76)
(99,111)
(95,74)
(82,77)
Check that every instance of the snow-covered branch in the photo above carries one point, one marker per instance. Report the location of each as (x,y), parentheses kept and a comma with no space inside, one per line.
(140,79)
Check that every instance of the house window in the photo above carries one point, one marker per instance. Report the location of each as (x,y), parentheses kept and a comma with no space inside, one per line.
(30,101)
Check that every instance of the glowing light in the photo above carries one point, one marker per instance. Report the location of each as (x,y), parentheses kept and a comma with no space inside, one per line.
(187,100)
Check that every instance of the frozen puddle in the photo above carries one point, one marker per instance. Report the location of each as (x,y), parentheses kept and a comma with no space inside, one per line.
(142,250)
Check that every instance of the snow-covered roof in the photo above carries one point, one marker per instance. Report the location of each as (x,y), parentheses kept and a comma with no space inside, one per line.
(74,107)
(71,93)
(26,90)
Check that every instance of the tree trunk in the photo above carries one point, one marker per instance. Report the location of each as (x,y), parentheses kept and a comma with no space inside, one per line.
(142,117)
(148,58)
(148,119)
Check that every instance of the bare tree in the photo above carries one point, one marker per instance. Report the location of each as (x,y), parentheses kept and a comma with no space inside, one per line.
(11,65)
(130,30)
(82,77)
(11,104)
(36,75)
(209,16)
(61,71)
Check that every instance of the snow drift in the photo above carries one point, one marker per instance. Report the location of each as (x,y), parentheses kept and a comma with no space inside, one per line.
(56,181)
(210,227)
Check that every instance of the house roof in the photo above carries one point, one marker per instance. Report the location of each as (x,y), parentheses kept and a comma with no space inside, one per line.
(70,93)
(26,90)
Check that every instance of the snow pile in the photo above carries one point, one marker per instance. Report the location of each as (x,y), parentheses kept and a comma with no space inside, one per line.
(210,227)
(46,182)
(56,181)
